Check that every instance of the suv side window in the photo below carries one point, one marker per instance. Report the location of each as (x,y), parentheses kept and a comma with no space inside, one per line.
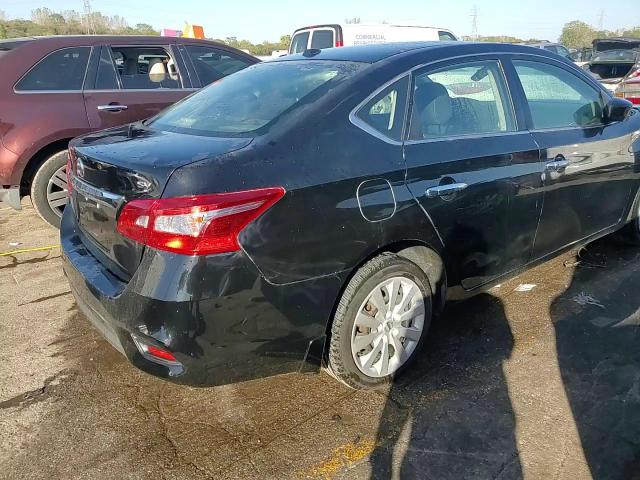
(143,67)
(385,112)
(107,77)
(557,98)
(465,99)
(60,70)
(212,64)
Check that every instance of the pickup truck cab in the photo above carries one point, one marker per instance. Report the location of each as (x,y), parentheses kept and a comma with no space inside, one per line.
(350,34)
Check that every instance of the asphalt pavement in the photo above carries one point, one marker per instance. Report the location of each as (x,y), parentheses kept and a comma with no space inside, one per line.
(537,378)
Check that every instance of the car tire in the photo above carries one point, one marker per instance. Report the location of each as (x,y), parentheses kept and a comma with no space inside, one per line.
(49,189)
(363,333)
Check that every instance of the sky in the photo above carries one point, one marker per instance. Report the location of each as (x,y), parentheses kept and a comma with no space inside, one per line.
(257,20)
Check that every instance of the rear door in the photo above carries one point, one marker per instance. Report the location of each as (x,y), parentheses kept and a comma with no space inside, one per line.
(588,172)
(132,83)
(475,174)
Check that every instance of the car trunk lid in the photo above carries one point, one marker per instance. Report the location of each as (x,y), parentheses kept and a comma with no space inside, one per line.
(113,167)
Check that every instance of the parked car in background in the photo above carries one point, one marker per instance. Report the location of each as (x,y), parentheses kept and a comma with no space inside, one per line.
(616,64)
(350,34)
(55,88)
(325,205)
(556,48)
(582,56)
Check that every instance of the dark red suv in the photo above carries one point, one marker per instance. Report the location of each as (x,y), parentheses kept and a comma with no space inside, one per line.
(53,89)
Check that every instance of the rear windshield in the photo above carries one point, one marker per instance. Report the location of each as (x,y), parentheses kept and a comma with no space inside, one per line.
(617,56)
(249,101)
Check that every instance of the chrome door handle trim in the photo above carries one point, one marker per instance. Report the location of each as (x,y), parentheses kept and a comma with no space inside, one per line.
(112,108)
(443,190)
(557,165)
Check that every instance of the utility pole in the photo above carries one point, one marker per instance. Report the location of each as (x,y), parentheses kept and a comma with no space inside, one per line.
(474,23)
(87,16)
(601,20)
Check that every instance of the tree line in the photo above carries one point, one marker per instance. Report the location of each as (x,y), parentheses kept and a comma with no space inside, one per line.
(44,21)
(579,34)
(575,34)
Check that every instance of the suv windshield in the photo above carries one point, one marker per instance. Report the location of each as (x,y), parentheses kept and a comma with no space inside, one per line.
(248,101)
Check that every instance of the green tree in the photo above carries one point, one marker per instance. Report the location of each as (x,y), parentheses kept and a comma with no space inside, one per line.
(578,34)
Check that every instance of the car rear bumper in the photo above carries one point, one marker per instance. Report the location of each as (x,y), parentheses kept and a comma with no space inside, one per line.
(217,315)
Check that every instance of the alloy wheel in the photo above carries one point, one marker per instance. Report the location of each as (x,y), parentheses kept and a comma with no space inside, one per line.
(57,191)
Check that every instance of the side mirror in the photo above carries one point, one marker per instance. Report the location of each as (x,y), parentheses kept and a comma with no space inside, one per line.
(616,109)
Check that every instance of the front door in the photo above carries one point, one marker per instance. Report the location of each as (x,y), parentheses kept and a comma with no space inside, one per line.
(132,83)
(470,167)
(588,170)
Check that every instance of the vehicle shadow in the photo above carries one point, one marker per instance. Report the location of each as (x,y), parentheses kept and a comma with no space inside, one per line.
(450,416)
(597,337)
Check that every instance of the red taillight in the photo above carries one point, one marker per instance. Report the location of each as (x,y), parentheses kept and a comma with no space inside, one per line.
(339,43)
(195,225)
(634,100)
(158,353)
(71,157)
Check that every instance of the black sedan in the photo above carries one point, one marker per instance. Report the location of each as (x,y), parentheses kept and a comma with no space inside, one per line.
(322,207)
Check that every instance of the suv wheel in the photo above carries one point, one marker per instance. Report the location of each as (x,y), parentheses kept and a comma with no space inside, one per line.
(49,188)
(380,323)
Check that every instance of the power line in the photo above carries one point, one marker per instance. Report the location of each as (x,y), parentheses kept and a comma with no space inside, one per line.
(474,23)
(601,20)
(87,16)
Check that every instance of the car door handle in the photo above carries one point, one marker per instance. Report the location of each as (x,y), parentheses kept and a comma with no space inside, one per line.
(443,190)
(112,108)
(558,164)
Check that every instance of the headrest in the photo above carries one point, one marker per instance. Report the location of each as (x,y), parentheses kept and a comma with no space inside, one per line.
(131,66)
(157,70)
(434,106)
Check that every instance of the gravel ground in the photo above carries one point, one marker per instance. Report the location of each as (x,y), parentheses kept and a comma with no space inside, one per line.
(537,378)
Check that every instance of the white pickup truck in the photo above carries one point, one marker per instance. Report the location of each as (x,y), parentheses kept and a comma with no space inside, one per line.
(342,35)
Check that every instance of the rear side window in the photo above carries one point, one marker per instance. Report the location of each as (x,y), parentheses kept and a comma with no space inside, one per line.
(466,99)
(299,42)
(212,64)
(446,37)
(322,39)
(385,112)
(62,70)
(557,98)
(145,68)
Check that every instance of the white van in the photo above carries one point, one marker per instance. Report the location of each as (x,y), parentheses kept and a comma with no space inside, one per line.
(336,35)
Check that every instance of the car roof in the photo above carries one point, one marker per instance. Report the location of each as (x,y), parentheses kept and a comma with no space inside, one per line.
(74,40)
(378,52)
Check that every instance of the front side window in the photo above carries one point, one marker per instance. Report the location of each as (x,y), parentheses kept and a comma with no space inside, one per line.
(322,39)
(467,99)
(145,67)
(557,98)
(299,42)
(385,112)
(253,98)
(61,70)
(212,64)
